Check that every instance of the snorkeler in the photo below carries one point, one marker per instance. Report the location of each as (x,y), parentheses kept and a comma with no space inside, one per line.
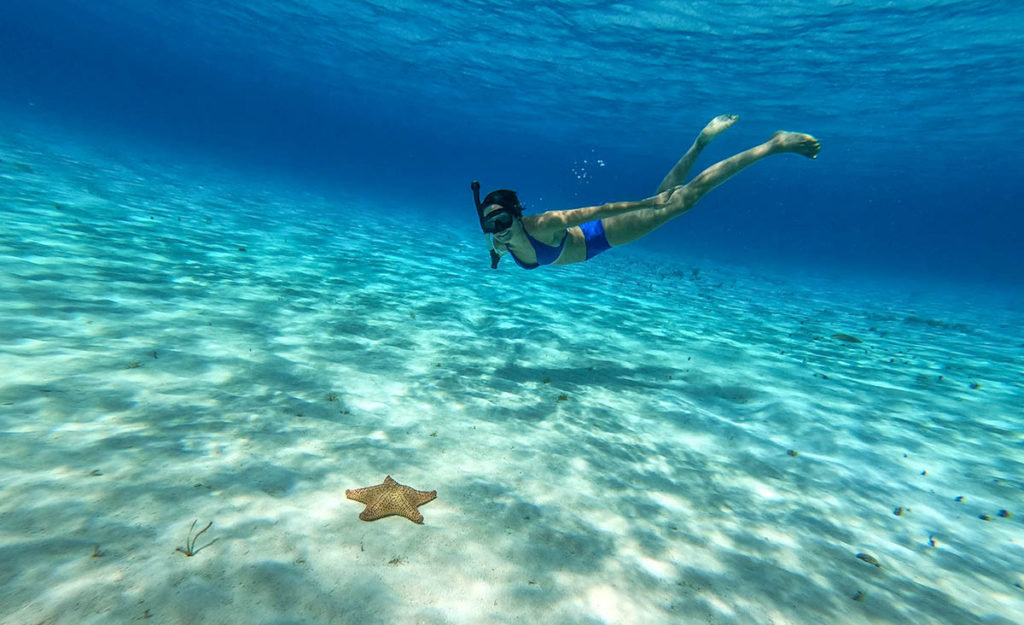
(560,237)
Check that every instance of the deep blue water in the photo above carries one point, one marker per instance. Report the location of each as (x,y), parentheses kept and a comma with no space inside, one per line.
(918,106)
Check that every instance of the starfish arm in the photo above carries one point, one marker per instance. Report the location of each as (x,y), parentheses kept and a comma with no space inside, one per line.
(413,515)
(370,515)
(364,495)
(423,496)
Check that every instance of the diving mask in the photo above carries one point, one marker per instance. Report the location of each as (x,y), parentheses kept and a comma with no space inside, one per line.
(498,221)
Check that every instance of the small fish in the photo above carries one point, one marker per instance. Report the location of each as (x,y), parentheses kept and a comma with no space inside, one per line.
(848,338)
(870,559)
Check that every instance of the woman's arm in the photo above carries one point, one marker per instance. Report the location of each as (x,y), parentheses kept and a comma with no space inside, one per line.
(552,221)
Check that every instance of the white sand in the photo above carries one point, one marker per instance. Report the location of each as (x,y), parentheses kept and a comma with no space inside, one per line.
(154,374)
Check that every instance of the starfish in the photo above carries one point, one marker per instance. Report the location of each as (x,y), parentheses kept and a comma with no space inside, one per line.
(390,497)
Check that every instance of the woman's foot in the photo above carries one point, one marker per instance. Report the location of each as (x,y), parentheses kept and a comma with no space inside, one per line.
(717,126)
(796,142)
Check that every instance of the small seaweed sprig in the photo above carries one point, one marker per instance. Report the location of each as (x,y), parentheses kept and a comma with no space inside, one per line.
(190,540)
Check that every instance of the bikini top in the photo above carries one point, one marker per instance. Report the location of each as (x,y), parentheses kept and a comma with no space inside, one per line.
(546,254)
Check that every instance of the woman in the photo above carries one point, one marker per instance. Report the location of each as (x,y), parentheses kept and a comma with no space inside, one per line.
(560,237)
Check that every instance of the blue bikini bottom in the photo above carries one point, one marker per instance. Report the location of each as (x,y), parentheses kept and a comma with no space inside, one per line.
(593,233)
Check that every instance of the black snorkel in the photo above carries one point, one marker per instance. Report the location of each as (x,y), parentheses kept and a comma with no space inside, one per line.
(495,256)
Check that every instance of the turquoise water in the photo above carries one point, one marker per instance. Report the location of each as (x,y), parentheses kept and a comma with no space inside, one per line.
(241,273)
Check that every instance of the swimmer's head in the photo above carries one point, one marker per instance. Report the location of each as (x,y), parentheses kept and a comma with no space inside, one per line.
(499,210)
(498,213)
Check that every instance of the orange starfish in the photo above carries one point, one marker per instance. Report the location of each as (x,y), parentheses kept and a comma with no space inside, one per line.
(389,498)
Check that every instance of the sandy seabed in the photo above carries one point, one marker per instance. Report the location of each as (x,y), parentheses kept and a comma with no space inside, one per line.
(631,440)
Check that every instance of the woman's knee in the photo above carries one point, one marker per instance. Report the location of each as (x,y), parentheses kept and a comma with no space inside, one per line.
(683,199)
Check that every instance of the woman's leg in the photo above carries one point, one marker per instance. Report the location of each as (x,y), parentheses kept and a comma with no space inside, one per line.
(714,128)
(627,227)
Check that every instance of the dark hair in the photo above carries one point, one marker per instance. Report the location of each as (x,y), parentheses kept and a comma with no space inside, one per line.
(504,198)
